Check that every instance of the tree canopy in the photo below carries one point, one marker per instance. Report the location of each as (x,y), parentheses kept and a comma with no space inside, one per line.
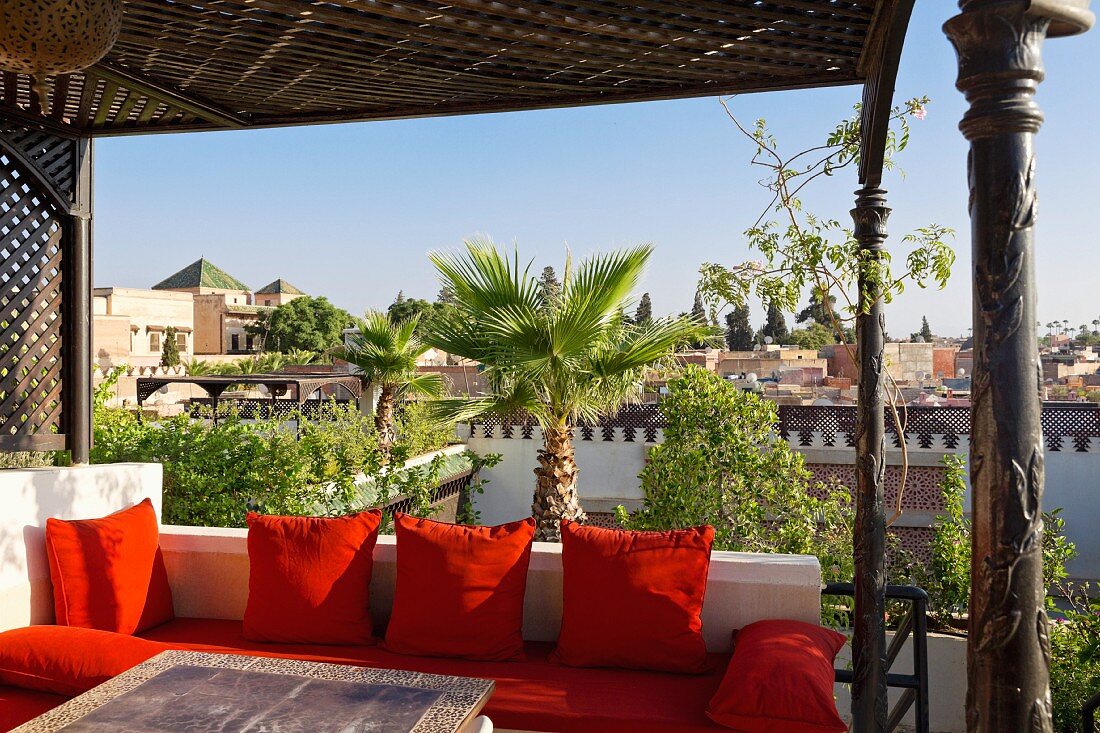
(817,312)
(306,323)
(814,336)
(404,309)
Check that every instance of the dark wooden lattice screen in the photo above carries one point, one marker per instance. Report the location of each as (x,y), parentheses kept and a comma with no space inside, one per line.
(39,176)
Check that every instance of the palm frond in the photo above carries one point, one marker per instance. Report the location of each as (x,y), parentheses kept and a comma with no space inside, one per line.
(641,346)
(385,352)
(425,384)
(483,278)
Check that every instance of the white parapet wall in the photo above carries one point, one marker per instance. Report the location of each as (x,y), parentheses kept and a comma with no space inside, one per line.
(946,682)
(208,570)
(608,474)
(32,495)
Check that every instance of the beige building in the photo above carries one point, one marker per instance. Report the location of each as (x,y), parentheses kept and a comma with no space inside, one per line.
(209,309)
(221,325)
(905,361)
(130,325)
(766,362)
(223,307)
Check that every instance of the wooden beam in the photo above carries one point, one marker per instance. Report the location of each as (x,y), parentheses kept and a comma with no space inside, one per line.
(202,108)
(13,113)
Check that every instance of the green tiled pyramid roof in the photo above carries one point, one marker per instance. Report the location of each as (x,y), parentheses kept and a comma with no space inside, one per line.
(279,286)
(201,274)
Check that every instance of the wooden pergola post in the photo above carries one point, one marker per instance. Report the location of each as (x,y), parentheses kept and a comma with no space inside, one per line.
(77,318)
(1000,66)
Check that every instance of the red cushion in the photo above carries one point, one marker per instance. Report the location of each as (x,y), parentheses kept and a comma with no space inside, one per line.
(108,573)
(780,680)
(17,705)
(68,660)
(633,599)
(532,695)
(309,578)
(459,589)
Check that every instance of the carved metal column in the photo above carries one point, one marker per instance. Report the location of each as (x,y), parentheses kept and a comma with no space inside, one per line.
(869,702)
(1000,66)
(869,665)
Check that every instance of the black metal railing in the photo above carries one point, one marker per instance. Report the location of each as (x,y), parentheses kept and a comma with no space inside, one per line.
(450,486)
(914,624)
(1088,714)
(266,409)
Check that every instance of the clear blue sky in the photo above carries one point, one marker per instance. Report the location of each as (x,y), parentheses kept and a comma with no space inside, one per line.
(349,211)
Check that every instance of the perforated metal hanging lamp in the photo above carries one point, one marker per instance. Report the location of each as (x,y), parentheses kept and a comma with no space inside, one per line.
(49,37)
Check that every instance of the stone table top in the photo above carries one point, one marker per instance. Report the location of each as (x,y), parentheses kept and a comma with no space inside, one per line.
(182,692)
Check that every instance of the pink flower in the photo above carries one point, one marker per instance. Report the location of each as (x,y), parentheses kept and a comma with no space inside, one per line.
(920,112)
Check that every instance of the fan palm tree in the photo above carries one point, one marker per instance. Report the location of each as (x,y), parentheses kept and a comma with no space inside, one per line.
(386,353)
(576,360)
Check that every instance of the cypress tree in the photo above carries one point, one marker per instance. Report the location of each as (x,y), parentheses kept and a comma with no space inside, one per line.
(739,333)
(925,329)
(644,313)
(698,312)
(169,350)
(776,325)
(549,287)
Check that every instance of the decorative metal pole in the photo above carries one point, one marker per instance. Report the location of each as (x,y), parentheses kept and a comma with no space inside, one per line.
(869,664)
(869,701)
(999,47)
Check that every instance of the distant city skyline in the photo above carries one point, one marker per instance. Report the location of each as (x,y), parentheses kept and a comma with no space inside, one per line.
(350,211)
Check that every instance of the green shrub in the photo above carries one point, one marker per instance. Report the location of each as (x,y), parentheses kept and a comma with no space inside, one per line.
(722,463)
(213,475)
(946,577)
(1074,635)
(1074,659)
(419,433)
(27,459)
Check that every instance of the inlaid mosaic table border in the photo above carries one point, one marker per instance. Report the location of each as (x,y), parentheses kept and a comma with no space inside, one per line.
(461,701)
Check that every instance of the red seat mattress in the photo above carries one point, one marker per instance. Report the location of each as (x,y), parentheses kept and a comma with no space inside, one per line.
(533,695)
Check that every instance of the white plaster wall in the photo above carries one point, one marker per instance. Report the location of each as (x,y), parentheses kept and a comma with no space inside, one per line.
(1073,483)
(608,474)
(946,682)
(29,497)
(208,570)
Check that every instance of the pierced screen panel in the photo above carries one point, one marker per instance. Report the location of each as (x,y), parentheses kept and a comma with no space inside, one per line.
(31,236)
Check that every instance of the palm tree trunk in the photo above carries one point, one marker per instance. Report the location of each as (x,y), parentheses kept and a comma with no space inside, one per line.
(556,485)
(383,420)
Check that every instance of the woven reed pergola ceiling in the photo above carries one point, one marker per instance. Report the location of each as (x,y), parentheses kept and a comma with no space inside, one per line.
(219,64)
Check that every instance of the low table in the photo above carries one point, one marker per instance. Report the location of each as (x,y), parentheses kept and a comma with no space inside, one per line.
(177,692)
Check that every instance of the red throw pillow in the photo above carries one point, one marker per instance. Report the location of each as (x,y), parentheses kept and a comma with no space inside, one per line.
(309,578)
(108,573)
(780,680)
(633,599)
(68,660)
(460,589)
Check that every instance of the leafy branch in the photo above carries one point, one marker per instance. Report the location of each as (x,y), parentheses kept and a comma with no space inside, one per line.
(803,253)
